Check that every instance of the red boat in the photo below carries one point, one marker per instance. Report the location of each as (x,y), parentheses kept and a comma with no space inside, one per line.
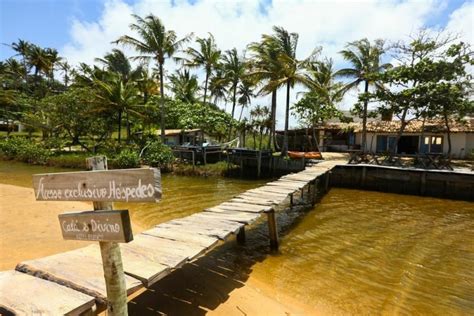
(307,155)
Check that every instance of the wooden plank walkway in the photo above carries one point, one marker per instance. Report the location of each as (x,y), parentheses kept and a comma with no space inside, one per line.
(156,252)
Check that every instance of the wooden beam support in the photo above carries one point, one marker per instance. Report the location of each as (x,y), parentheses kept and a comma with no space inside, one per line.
(326,182)
(111,257)
(241,236)
(272,230)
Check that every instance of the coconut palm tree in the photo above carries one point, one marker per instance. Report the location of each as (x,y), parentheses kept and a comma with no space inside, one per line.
(184,86)
(154,42)
(246,93)
(117,62)
(292,69)
(233,67)
(218,86)
(23,48)
(207,56)
(365,59)
(265,68)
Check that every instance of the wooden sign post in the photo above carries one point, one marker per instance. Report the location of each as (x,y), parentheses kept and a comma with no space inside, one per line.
(102,187)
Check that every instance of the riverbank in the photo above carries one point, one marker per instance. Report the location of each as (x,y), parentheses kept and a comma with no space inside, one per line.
(29,229)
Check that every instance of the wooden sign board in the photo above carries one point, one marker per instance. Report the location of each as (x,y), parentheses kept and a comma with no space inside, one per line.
(97,226)
(125,185)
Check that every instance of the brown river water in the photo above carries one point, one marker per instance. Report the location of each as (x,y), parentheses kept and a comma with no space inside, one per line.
(356,252)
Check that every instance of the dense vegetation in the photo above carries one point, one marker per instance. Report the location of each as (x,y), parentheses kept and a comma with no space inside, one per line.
(94,107)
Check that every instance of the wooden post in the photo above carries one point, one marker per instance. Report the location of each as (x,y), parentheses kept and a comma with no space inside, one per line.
(302,193)
(423,183)
(111,257)
(291,199)
(194,158)
(259,163)
(272,230)
(315,190)
(204,152)
(241,236)
(364,174)
(241,165)
(326,182)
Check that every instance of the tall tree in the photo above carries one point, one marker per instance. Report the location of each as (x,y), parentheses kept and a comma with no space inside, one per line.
(184,86)
(206,56)
(265,67)
(319,102)
(292,69)
(233,69)
(154,42)
(365,59)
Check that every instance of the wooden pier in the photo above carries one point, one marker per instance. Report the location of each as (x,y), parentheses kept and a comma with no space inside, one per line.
(73,282)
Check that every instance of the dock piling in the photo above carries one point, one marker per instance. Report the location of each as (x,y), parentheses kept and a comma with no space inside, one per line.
(241,236)
(272,230)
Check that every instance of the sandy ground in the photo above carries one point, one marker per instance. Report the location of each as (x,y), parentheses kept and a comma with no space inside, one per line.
(211,285)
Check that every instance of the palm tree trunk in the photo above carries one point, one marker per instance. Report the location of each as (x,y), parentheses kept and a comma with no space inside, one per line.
(273,114)
(119,126)
(364,120)
(448,130)
(162,105)
(205,86)
(284,149)
(234,94)
(128,126)
(241,111)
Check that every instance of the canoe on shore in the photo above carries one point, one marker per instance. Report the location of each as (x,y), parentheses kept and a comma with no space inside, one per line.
(307,155)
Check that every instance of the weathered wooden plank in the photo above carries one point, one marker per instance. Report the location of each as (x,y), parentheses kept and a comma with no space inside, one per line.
(186,237)
(270,190)
(79,269)
(97,225)
(126,185)
(252,201)
(288,185)
(168,252)
(142,267)
(23,294)
(218,228)
(275,199)
(243,207)
(241,217)
(196,229)
(274,189)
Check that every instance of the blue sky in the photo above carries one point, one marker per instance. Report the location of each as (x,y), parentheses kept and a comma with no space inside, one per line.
(82,30)
(48,22)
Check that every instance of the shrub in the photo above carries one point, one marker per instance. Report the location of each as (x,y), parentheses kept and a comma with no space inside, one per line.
(69,160)
(156,154)
(126,159)
(25,150)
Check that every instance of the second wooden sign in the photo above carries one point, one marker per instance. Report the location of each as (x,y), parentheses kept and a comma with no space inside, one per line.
(97,226)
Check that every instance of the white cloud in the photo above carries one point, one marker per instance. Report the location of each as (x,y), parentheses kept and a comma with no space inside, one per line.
(461,22)
(236,23)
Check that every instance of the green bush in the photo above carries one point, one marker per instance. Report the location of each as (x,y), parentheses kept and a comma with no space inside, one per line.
(69,160)
(157,155)
(25,150)
(126,159)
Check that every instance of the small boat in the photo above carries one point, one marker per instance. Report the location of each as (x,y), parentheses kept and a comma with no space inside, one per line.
(306,155)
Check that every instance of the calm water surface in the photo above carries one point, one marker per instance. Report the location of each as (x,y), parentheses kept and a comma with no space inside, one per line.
(357,252)
(374,253)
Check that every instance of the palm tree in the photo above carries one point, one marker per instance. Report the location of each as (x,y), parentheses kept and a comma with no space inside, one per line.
(233,70)
(266,69)
(115,95)
(184,86)
(245,92)
(117,62)
(207,56)
(323,95)
(53,60)
(364,58)
(218,86)
(39,59)
(23,49)
(291,69)
(154,42)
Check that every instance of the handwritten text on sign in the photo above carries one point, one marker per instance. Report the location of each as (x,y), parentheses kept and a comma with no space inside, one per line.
(128,185)
(97,225)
